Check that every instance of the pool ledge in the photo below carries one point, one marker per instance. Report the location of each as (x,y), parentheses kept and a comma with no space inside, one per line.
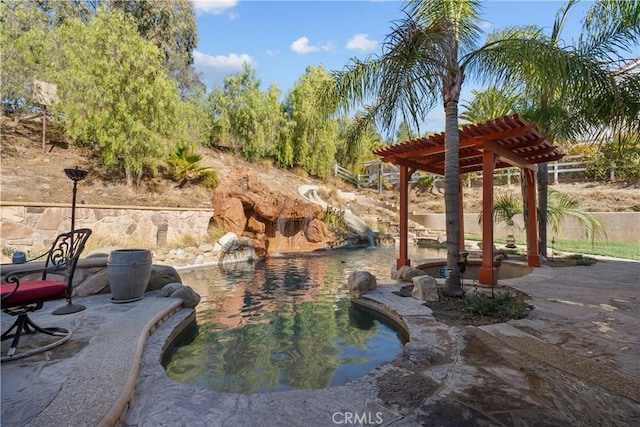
(426,359)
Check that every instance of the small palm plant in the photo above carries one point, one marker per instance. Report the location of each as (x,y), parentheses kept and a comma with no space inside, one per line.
(185,164)
(559,207)
(562,205)
(505,208)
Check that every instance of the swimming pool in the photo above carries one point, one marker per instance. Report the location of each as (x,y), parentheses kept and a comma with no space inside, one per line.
(284,323)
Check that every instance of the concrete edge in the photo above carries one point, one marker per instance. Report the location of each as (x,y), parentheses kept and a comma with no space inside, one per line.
(118,410)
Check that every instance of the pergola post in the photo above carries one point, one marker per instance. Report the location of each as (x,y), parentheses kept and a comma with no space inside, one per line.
(533,257)
(461,215)
(487,275)
(403,222)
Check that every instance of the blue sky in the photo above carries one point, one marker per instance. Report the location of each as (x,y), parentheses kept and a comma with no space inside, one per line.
(280,39)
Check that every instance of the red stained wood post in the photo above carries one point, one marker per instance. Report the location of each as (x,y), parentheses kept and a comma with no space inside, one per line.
(533,257)
(403,256)
(487,275)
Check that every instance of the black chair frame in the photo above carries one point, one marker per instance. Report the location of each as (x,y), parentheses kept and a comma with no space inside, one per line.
(20,297)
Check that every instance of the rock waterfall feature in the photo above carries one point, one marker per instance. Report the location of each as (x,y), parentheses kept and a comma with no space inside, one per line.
(275,222)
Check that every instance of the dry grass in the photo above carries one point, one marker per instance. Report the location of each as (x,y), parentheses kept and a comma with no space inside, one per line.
(184,241)
(99,241)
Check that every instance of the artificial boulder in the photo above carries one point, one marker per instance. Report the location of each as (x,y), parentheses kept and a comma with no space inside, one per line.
(425,288)
(361,282)
(275,222)
(189,297)
(160,276)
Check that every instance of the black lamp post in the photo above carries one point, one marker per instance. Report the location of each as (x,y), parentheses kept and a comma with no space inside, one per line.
(74,175)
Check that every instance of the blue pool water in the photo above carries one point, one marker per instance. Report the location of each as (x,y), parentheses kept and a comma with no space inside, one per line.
(284,323)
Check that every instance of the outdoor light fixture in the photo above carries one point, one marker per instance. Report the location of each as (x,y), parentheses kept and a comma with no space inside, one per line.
(74,175)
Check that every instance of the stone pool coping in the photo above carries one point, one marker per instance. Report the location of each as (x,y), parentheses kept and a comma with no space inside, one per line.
(512,373)
(574,358)
(429,339)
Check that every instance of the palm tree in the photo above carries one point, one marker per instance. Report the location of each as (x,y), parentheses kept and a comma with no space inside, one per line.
(505,208)
(426,58)
(561,206)
(489,104)
(570,89)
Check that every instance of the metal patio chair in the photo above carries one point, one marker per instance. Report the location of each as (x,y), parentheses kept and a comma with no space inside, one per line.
(20,297)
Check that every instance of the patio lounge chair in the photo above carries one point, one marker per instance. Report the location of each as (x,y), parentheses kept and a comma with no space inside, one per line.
(18,298)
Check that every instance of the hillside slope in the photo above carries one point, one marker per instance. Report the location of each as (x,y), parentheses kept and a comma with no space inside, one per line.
(29,175)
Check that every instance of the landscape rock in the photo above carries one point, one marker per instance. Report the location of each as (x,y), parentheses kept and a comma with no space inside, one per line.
(276,222)
(189,297)
(160,276)
(93,283)
(361,282)
(408,273)
(425,288)
(169,288)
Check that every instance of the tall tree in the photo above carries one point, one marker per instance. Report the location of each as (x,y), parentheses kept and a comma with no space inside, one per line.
(245,118)
(354,146)
(26,40)
(115,94)
(171,26)
(404,133)
(427,57)
(423,60)
(571,89)
(314,131)
(489,104)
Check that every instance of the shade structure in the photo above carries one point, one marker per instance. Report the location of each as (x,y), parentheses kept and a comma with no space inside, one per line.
(505,142)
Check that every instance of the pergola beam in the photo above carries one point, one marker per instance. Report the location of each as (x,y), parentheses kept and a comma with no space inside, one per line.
(507,155)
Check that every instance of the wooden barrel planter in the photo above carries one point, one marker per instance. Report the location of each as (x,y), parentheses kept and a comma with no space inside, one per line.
(128,273)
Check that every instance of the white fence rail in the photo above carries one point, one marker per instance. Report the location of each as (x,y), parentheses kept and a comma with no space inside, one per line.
(570,164)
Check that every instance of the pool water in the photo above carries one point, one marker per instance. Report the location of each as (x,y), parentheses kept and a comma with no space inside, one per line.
(284,323)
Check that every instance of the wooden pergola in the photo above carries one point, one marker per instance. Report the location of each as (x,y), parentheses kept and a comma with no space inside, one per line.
(501,143)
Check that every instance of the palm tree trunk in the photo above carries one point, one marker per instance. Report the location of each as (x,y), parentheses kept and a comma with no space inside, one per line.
(451,201)
(543,187)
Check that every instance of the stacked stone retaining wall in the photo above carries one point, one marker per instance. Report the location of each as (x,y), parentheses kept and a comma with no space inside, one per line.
(28,227)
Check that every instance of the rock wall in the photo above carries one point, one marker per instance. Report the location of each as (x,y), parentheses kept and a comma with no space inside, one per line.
(275,222)
(33,228)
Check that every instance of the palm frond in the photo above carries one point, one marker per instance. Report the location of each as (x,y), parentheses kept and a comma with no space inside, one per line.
(562,205)
(401,82)
(505,208)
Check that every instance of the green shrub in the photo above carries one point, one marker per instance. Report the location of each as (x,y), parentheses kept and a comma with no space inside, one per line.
(504,304)
(424,183)
(582,260)
(208,179)
(334,218)
(184,164)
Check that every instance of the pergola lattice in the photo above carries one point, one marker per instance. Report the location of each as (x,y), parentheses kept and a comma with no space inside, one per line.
(501,143)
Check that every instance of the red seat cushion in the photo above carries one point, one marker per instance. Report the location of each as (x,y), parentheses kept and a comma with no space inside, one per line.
(32,291)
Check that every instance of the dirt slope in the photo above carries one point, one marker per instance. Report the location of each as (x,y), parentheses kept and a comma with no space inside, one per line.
(29,175)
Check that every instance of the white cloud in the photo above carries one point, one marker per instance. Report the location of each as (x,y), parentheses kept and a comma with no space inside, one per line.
(361,42)
(214,7)
(302,46)
(232,62)
(215,68)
